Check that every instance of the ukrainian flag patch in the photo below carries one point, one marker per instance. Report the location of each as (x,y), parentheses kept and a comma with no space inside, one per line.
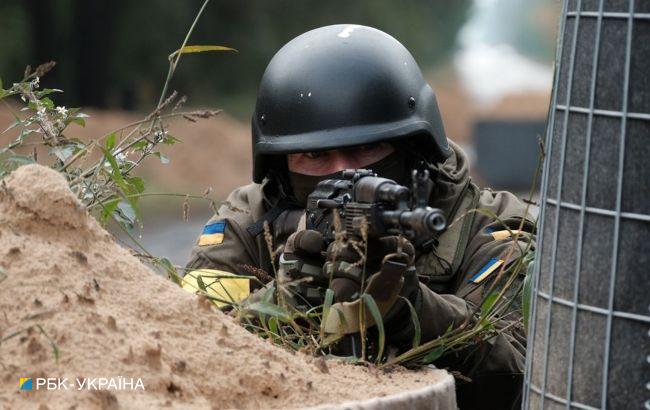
(213,233)
(486,270)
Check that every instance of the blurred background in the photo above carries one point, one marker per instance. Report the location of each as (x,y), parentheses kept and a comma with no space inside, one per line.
(489,61)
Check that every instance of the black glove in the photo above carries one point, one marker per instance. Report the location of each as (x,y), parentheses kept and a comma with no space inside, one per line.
(388,266)
(300,269)
(305,245)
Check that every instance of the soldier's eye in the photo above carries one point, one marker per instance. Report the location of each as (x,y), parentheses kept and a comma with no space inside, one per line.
(313,155)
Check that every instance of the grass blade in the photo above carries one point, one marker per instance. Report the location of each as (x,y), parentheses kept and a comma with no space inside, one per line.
(417,332)
(376,315)
(199,49)
(486,307)
(270,309)
(527,294)
(433,355)
(327,305)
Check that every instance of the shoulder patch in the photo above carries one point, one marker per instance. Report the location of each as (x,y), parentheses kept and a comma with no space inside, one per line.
(212,233)
(486,270)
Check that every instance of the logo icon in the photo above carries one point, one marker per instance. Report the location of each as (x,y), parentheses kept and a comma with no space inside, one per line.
(26,383)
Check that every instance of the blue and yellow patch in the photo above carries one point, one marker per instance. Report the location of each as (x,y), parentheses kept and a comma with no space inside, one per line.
(213,233)
(486,270)
(26,383)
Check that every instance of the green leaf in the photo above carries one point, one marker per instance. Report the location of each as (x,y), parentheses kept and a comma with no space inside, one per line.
(46,91)
(163,159)
(109,207)
(118,178)
(79,121)
(417,330)
(329,299)
(172,273)
(270,309)
(379,321)
(199,281)
(527,294)
(115,170)
(267,295)
(137,183)
(433,355)
(110,142)
(76,117)
(199,49)
(486,307)
(139,145)
(47,102)
(273,325)
(170,140)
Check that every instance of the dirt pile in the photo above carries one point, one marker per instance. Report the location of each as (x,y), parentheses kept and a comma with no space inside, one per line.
(68,290)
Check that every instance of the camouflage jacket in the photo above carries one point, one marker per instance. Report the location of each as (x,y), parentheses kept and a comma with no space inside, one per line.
(453,277)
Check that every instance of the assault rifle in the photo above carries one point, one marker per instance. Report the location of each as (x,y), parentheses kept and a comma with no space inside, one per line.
(380,206)
(366,202)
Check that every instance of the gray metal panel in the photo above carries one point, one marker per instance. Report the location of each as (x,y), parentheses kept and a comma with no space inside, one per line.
(589,341)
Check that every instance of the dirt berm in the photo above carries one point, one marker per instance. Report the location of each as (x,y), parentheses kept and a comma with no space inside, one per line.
(76,305)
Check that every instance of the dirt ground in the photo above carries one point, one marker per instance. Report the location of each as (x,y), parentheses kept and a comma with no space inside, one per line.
(76,305)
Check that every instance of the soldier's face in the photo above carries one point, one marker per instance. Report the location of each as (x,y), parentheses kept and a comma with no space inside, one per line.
(329,162)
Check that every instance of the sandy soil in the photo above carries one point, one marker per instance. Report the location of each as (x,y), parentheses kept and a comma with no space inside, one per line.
(66,283)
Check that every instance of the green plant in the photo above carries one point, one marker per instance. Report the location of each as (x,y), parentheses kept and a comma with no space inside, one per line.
(100,171)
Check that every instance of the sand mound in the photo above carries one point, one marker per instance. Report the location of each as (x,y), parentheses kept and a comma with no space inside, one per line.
(66,283)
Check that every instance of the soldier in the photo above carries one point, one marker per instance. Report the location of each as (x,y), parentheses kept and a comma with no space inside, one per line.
(349,96)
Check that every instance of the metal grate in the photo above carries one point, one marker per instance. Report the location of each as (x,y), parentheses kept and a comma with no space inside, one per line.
(589,342)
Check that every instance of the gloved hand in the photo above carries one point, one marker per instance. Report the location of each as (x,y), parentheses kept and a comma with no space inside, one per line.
(390,257)
(389,274)
(300,268)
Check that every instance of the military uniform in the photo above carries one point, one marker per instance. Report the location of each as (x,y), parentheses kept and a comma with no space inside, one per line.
(348,86)
(476,243)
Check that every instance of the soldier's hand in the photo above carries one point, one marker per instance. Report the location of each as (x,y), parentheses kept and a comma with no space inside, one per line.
(303,256)
(387,261)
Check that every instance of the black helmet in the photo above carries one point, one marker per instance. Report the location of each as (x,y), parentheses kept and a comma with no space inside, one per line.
(340,86)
